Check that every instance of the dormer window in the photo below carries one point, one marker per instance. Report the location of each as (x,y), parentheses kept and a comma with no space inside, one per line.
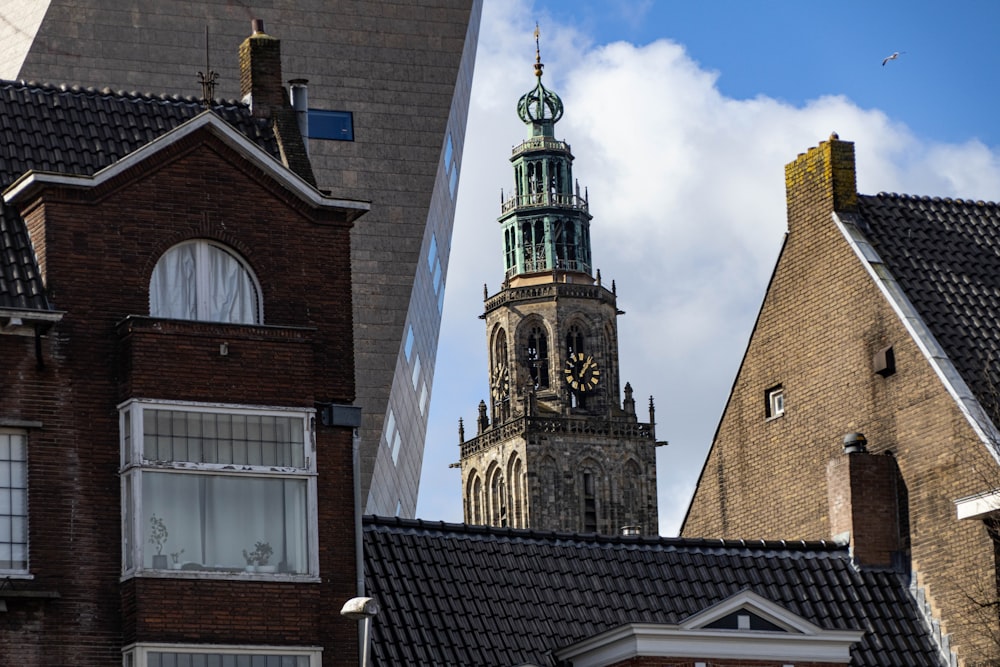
(203,280)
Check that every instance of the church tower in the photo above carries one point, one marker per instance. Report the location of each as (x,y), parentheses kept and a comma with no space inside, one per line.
(556,448)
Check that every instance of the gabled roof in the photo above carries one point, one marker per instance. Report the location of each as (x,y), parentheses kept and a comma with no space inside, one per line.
(80,131)
(451,594)
(940,268)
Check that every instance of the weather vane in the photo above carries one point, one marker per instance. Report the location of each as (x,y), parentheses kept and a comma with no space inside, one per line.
(207,78)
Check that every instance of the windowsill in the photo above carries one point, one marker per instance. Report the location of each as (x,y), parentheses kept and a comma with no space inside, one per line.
(774,417)
(227,575)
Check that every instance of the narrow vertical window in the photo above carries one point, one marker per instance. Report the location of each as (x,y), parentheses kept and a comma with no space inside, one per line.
(774,402)
(13,502)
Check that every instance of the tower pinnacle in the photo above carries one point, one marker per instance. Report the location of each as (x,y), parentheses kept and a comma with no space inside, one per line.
(540,107)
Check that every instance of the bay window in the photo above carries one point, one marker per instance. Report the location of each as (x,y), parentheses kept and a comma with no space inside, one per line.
(217,490)
(167,655)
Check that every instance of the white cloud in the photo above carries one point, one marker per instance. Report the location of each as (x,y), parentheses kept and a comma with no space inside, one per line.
(687,191)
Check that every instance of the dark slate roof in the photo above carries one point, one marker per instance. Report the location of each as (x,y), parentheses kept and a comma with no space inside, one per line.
(451,594)
(80,131)
(945,254)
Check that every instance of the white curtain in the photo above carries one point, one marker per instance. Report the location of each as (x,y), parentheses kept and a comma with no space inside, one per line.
(198,280)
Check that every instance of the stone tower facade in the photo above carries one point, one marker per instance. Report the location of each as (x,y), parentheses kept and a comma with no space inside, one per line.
(556,447)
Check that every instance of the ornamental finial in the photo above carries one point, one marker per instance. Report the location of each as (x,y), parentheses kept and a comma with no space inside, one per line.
(539,105)
(538,55)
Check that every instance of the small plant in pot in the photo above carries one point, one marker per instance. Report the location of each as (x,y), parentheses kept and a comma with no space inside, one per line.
(158,537)
(175,559)
(257,560)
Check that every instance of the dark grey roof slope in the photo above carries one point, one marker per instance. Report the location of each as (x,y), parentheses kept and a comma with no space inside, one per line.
(80,131)
(451,594)
(945,254)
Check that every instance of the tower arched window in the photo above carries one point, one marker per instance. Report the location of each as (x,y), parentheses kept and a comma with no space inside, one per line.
(204,280)
(515,473)
(536,354)
(574,341)
(498,499)
(500,379)
(475,500)
(566,249)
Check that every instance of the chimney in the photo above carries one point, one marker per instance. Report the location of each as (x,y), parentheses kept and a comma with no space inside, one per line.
(820,181)
(261,86)
(865,501)
(260,72)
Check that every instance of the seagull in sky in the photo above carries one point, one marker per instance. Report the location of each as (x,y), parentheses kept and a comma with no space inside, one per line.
(895,54)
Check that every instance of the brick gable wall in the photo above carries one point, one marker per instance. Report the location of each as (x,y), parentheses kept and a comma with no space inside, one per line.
(99,247)
(822,320)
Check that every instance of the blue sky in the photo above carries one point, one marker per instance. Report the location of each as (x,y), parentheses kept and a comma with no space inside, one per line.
(681,116)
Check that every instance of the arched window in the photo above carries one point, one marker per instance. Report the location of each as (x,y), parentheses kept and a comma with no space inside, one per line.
(474,500)
(202,280)
(498,498)
(515,473)
(500,379)
(536,356)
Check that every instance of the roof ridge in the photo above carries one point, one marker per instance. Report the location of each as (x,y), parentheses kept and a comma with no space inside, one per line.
(417,525)
(107,91)
(930,198)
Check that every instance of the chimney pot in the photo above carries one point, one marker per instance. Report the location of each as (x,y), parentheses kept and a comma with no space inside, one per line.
(855,443)
(257,26)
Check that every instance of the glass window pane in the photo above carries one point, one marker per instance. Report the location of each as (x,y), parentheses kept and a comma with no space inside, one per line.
(215,518)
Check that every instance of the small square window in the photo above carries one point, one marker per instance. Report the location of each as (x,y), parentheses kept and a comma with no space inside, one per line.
(774,405)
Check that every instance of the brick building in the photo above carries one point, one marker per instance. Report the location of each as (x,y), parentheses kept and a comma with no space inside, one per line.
(176,429)
(387,94)
(557,448)
(865,405)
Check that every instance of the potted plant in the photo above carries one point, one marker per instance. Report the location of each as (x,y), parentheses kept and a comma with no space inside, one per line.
(158,537)
(257,560)
(175,558)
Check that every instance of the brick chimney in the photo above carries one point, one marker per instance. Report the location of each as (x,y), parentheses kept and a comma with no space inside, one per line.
(261,86)
(865,503)
(260,72)
(820,181)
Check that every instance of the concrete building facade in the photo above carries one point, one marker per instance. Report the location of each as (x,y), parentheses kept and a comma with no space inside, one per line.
(388,93)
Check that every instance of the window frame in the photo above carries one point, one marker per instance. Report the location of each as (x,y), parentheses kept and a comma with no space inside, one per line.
(133,466)
(137,654)
(774,402)
(25,572)
(203,282)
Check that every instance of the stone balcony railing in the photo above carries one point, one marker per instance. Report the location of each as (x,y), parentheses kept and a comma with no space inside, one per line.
(606,428)
(543,200)
(540,144)
(548,291)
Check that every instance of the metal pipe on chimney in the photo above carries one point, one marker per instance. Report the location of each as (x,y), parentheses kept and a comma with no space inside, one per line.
(299,94)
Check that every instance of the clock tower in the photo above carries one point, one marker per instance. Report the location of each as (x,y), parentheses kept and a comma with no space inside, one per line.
(556,448)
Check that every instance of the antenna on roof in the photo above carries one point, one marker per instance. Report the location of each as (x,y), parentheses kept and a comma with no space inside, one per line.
(207,78)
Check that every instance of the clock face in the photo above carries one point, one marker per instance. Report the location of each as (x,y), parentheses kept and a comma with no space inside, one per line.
(582,373)
(500,384)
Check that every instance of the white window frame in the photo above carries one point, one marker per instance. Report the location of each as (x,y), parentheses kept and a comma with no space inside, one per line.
(775,402)
(137,655)
(133,465)
(19,573)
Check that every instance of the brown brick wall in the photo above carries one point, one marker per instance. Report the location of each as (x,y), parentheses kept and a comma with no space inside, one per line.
(99,247)
(821,321)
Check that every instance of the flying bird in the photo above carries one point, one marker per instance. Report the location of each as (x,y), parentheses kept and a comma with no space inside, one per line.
(895,54)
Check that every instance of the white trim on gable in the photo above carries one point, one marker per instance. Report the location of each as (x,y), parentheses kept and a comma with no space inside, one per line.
(220,128)
(802,642)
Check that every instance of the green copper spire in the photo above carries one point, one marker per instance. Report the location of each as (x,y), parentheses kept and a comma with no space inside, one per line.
(541,108)
(546,223)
